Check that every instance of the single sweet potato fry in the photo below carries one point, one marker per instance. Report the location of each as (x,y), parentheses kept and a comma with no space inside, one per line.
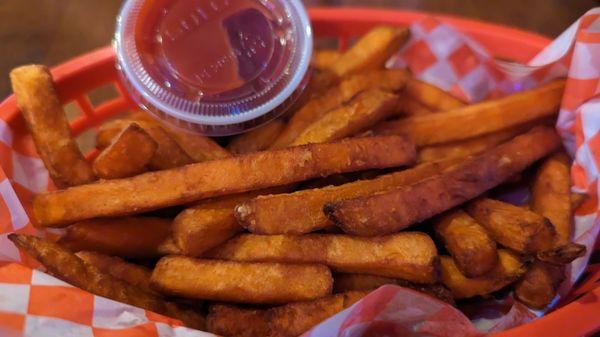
(46,120)
(302,211)
(431,96)
(324,59)
(211,223)
(512,226)
(562,255)
(538,287)
(133,274)
(479,119)
(551,195)
(401,207)
(241,282)
(366,109)
(470,245)
(182,185)
(168,153)
(410,256)
(509,268)
(128,155)
(258,139)
(371,51)
(362,282)
(471,146)
(198,147)
(134,237)
(68,267)
(289,320)
(317,107)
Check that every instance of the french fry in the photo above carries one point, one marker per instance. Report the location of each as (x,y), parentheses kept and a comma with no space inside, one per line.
(46,120)
(210,223)
(317,107)
(168,247)
(168,153)
(258,139)
(408,106)
(182,185)
(551,195)
(371,51)
(509,268)
(470,245)
(540,284)
(512,226)
(324,59)
(562,255)
(198,147)
(361,282)
(133,274)
(431,96)
(577,199)
(394,210)
(128,155)
(290,320)
(471,146)
(68,267)
(241,282)
(133,237)
(302,211)
(481,118)
(414,254)
(368,108)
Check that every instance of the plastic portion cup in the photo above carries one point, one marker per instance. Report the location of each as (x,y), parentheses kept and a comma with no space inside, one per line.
(215,67)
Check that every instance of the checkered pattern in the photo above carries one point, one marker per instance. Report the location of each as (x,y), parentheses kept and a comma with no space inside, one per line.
(35,304)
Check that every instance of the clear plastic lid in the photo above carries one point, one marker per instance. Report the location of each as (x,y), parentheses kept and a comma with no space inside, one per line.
(216,67)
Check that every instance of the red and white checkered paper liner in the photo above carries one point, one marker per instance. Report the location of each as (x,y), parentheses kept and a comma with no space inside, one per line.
(33,303)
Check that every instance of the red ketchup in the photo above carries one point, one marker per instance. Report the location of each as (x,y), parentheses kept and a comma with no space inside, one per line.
(215,67)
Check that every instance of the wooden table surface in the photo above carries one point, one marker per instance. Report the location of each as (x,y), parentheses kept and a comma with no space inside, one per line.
(51,31)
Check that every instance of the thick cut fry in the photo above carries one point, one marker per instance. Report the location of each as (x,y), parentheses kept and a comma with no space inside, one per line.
(365,110)
(468,147)
(473,250)
(128,155)
(290,320)
(408,106)
(562,255)
(258,139)
(133,274)
(433,97)
(512,226)
(134,237)
(538,287)
(198,147)
(361,282)
(68,267)
(479,119)
(371,51)
(210,223)
(314,109)
(324,59)
(394,210)
(46,120)
(409,256)
(155,190)
(302,212)
(509,268)
(551,195)
(168,153)
(241,282)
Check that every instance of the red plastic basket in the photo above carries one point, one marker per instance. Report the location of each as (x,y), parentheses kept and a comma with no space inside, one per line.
(579,314)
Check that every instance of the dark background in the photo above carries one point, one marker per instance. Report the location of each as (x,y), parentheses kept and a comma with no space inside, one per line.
(51,31)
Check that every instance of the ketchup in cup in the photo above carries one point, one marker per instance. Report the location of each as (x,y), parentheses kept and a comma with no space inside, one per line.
(215,67)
